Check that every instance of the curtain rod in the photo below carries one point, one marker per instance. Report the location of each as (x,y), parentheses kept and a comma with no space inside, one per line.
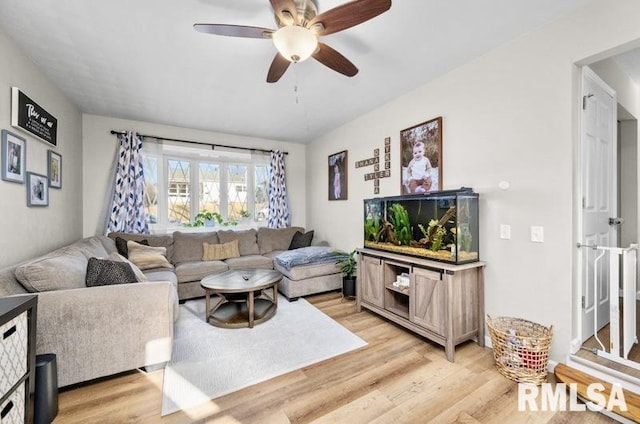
(213,146)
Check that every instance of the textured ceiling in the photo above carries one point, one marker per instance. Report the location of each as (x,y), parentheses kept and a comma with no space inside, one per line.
(142,60)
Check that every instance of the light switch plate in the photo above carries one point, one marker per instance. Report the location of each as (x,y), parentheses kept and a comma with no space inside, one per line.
(505,231)
(537,234)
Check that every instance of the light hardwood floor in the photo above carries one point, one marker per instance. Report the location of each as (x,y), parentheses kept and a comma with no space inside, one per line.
(397,378)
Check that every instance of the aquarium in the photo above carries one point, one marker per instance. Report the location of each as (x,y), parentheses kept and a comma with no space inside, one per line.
(441,225)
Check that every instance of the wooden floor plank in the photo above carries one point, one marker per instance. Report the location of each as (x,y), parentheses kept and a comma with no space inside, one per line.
(397,378)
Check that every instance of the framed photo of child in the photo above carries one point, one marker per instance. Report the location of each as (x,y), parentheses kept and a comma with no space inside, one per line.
(37,189)
(421,157)
(14,156)
(338,176)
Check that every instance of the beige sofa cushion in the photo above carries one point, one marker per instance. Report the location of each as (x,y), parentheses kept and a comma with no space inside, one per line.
(147,257)
(250,261)
(220,251)
(247,239)
(61,269)
(197,270)
(187,247)
(270,239)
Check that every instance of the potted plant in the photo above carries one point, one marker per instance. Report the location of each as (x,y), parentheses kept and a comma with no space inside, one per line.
(207,218)
(348,268)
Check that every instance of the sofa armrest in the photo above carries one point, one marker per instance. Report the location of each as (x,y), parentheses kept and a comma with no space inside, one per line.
(99,331)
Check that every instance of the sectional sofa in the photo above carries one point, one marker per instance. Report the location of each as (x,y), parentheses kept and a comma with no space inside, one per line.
(257,249)
(103,330)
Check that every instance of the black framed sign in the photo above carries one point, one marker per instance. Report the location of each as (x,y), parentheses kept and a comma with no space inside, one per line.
(29,116)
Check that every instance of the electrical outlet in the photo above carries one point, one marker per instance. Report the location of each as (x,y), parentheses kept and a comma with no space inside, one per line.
(505,231)
(537,234)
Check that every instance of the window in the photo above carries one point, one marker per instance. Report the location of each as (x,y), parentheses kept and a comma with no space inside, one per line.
(181,181)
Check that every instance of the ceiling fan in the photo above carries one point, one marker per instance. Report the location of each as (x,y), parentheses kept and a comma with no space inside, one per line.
(299,27)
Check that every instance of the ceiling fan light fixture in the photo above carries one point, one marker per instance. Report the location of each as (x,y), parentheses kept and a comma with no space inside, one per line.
(295,43)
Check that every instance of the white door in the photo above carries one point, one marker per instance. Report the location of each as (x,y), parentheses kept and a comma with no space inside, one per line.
(599,191)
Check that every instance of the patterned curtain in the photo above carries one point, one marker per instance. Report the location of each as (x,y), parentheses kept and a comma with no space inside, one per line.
(278,203)
(127,205)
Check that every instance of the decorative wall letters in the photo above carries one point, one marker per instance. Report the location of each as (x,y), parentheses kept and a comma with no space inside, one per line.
(375,161)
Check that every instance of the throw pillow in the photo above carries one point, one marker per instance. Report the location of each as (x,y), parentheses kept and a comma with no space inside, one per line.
(146,257)
(119,258)
(218,252)
(121,245)
(103,272)
(62,269)
(301,240)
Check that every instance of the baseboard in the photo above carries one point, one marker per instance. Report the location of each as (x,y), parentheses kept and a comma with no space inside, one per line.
(575,345)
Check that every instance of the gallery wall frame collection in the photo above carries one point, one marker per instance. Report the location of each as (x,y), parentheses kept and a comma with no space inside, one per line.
(420,159)
(33,119)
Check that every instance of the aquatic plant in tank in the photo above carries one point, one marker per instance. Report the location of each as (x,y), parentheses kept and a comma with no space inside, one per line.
(441,225)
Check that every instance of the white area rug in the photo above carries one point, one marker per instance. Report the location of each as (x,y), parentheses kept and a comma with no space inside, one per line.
(209,362)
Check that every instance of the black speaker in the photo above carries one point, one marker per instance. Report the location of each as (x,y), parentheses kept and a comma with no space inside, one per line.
(46,393)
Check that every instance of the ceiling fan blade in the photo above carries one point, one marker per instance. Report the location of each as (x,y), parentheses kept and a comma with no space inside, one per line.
(349,15)
(234,30)
(282,6)
(277,68)
(334,60)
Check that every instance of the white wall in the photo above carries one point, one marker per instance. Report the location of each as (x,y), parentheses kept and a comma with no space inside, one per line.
(27,232)
(100,148)
(627,91)
(509,115)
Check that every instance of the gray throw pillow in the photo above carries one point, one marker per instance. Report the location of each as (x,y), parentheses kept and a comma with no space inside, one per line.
(102,272)
(301,240)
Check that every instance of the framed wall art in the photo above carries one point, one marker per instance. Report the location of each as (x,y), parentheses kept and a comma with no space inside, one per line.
(54,169)
(30,117)
(37,189)
(338,189)
(14,157)
(421,157)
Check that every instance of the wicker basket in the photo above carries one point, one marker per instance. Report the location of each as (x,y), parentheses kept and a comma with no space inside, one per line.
(520,348)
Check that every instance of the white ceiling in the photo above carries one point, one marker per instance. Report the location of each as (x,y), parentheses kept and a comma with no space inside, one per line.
(142,60)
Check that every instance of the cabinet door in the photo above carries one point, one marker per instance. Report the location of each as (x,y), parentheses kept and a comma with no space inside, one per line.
(427,306)
(372,284)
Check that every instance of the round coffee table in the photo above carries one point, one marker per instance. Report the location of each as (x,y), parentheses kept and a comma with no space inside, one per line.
(242,297)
